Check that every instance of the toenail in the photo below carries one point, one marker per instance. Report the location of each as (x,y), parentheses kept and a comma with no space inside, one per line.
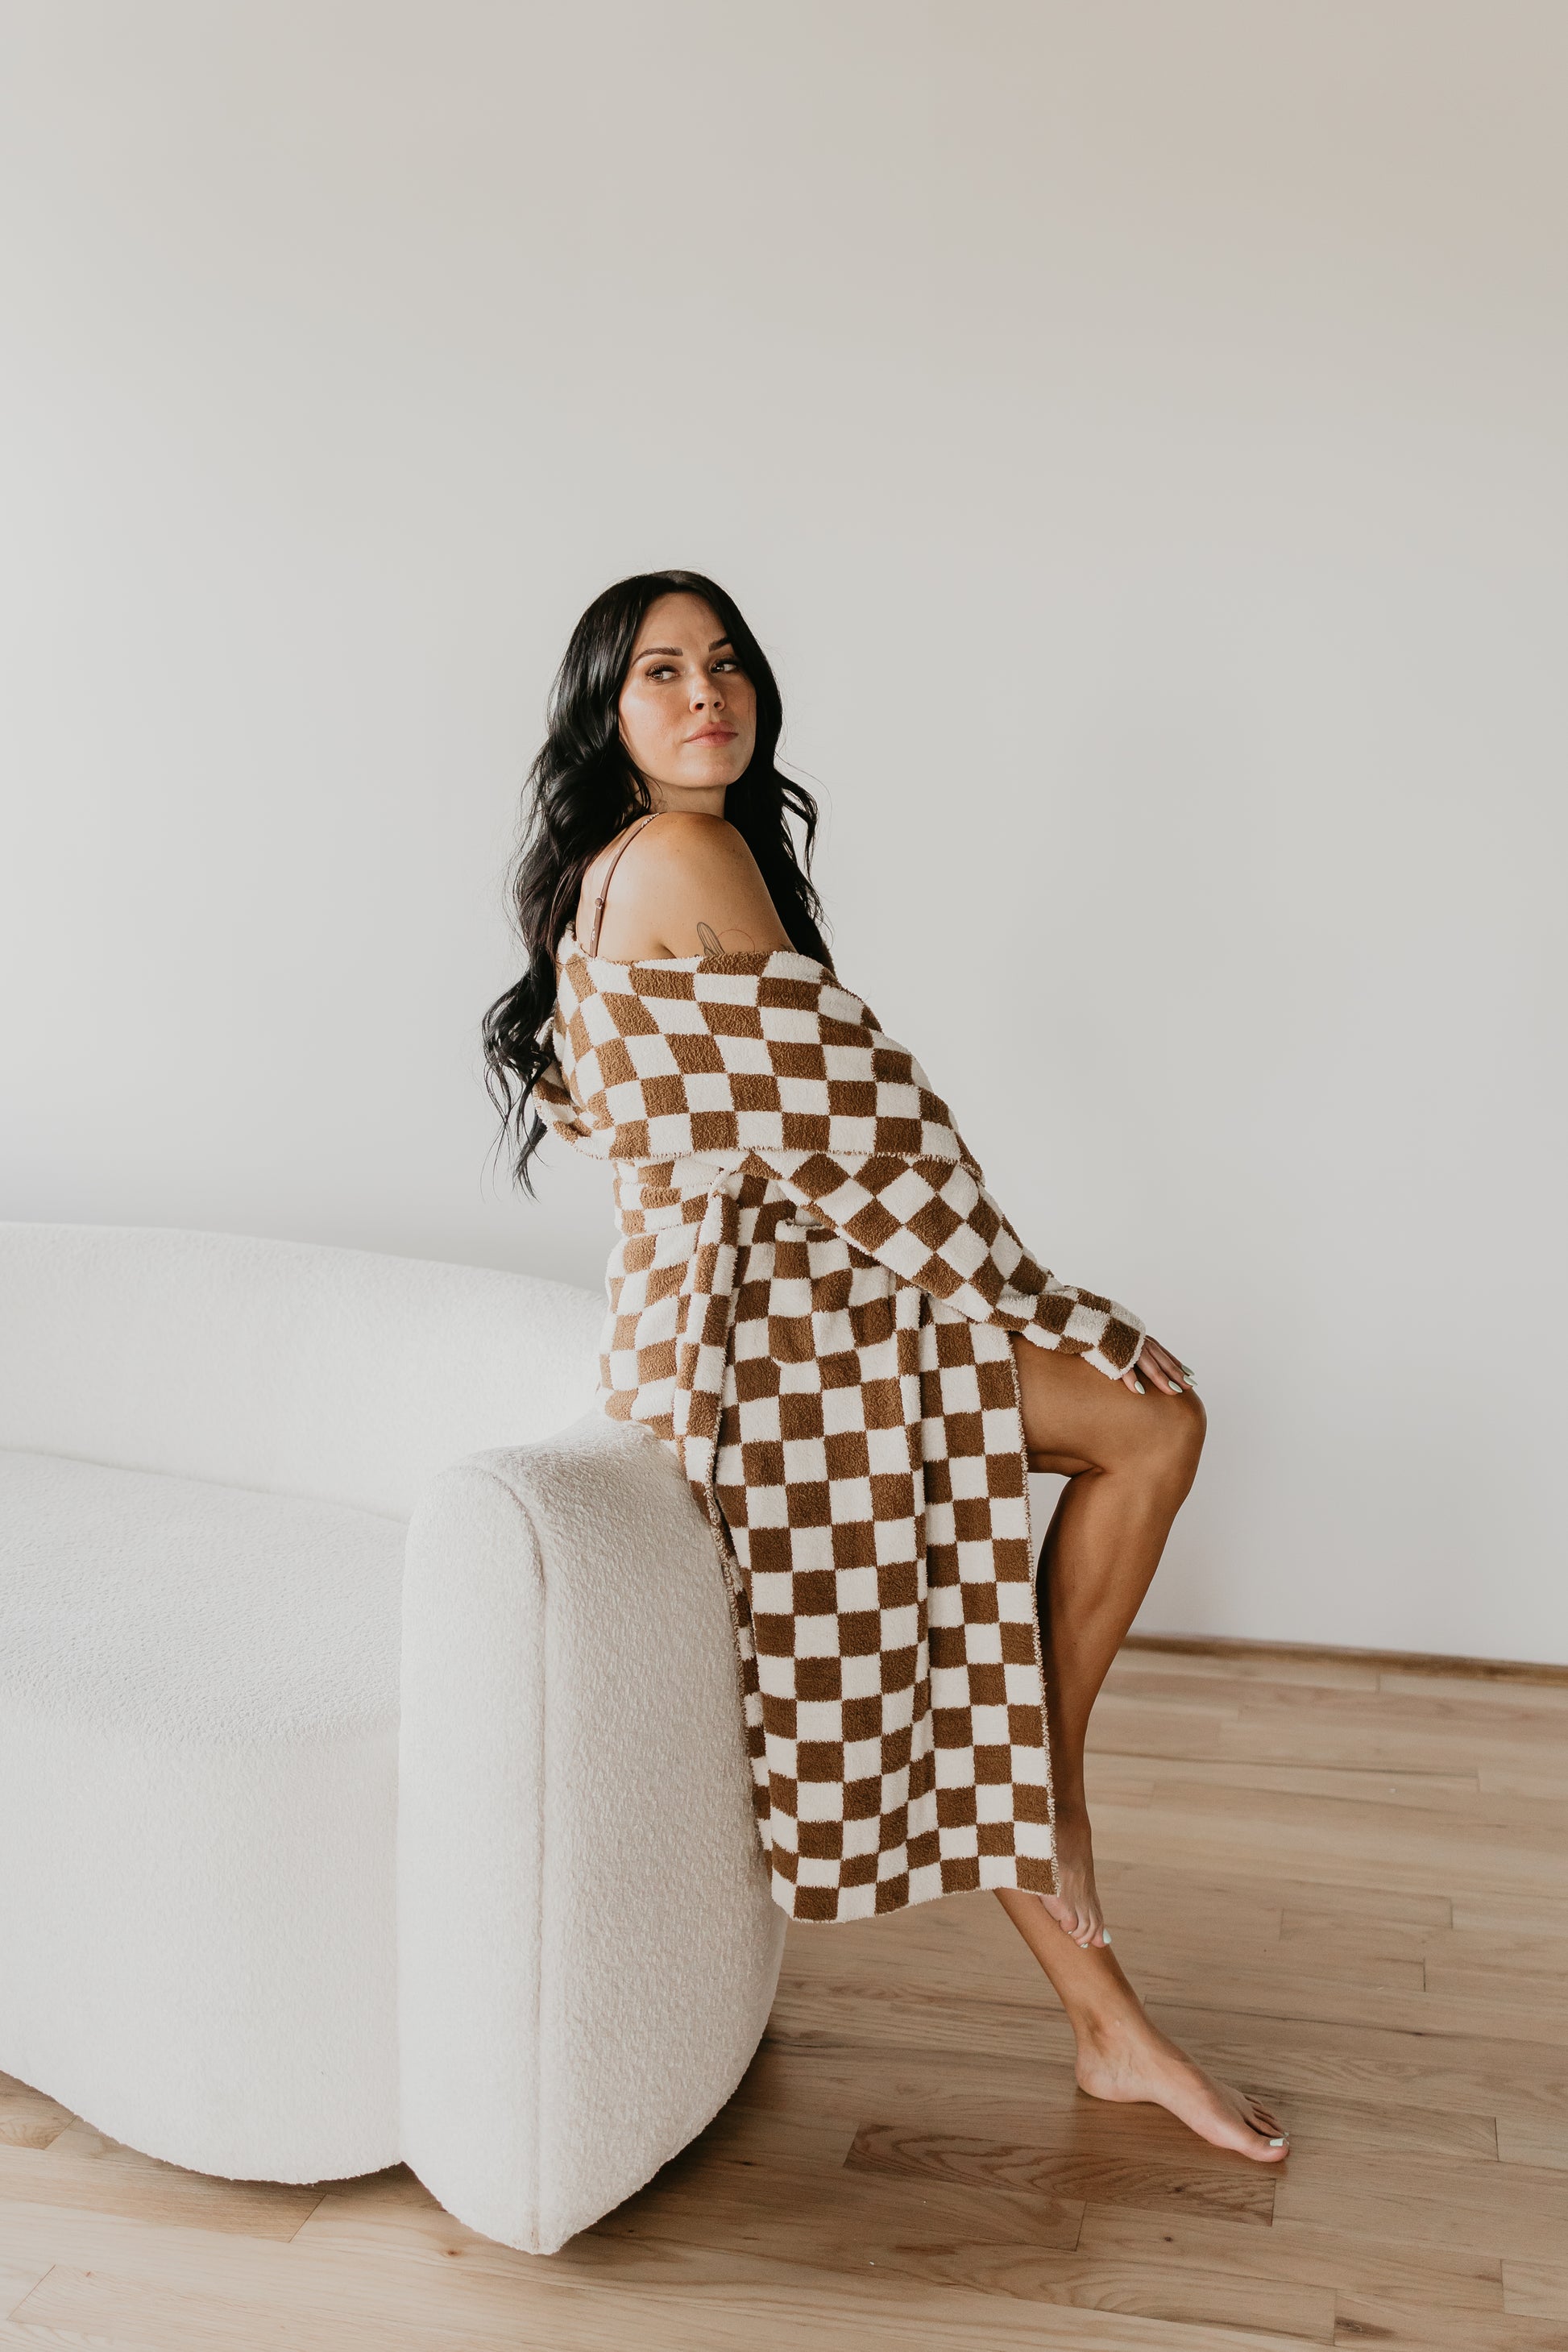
(1277,2143)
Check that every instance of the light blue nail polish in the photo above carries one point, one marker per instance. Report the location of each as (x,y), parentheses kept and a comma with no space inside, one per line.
(1178,1388)
(1140,1387)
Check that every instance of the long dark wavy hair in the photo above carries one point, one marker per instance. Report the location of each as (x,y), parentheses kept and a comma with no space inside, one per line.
(583,790)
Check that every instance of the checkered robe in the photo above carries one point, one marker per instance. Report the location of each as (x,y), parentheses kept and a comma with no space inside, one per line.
(812,1300)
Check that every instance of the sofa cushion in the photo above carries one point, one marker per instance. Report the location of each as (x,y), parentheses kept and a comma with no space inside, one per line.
(171,1608)
(284,1366)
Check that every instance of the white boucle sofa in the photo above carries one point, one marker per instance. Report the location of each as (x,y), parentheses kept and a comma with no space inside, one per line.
(372,1782)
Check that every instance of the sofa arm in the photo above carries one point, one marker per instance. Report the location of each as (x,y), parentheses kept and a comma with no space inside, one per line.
(588,1951)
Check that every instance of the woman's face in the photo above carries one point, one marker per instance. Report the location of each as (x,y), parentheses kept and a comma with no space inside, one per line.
(689,715)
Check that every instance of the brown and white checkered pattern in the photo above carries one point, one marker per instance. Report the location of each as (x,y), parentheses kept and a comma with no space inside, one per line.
(812,1299)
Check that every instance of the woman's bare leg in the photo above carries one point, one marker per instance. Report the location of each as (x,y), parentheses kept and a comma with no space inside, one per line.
(1129,1462)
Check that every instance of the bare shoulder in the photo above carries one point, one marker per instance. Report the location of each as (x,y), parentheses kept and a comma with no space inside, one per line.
(683,841)
(687,875)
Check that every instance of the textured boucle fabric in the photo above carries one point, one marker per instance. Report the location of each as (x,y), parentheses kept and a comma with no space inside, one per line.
(174,1609)
(812,1300)
(286,1366)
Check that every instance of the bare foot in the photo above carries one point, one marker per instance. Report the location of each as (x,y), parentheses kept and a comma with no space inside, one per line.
(1075,1906)
(1134,2061)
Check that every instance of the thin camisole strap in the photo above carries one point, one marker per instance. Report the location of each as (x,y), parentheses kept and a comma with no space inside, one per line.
(624,844)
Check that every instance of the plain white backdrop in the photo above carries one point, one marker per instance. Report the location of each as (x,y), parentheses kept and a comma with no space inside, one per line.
(1137,433)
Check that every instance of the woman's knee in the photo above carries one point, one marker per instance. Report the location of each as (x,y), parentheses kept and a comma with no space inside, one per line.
(1174,1437)
(1074,1419)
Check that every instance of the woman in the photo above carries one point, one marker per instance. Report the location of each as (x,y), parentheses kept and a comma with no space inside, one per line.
(815,1301)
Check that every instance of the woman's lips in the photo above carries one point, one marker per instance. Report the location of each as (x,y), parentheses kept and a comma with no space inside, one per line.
(715,735)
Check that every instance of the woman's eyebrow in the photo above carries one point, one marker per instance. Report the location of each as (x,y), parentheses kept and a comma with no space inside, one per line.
(675,650)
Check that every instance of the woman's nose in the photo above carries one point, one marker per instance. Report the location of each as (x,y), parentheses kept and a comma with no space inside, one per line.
(707,695)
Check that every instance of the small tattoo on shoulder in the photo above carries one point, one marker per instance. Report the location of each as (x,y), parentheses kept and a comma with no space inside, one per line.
(712,944)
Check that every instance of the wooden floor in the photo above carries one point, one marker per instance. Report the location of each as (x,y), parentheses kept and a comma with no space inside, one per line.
(1344,1885)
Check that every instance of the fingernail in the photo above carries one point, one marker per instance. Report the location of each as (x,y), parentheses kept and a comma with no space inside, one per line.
(1106,1932)
(1177,1389)
(1140,1387)
(1188,1370)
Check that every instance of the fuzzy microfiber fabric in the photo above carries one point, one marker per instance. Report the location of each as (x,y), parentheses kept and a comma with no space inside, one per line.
(812,1300)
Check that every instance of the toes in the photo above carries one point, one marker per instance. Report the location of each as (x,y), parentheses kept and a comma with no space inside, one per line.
(1087,1932)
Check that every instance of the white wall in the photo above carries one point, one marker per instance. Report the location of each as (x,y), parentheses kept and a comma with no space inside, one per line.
(1138,431)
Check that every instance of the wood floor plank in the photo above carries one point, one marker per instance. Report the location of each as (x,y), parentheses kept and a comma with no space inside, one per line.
(1237,1667)
(1529,1722)
(1028,2104)
(97,2308)
(1541,1913)
(1209,2295)
(803,2079)
(1502,1693)
(1193,1894)
(1315,1931)
(86,2307)
(1536,2290)
(1502,2209)
(28,2118)
(1251,1988)
(846,2014)
(16,2280)
(1450,2278)
(1241,2192)
(1466,2076)
(1422,1746)
(1361,1963)
(1532,2142)
(1366,2125)
(1390,1856)
(1497,1984)
(1417,2328)
(1474,1711)
(924,2238)
(81,2169)
(307,2299)
(1516,1836)
(843,2218)
(1508,1950)
(1521,1780)
(753,2135)
(1456,1795)
(1394,1960)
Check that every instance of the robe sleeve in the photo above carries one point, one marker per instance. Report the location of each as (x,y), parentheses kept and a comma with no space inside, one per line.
(932,1223)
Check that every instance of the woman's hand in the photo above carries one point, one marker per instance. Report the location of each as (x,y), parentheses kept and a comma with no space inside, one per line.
(1163,1369)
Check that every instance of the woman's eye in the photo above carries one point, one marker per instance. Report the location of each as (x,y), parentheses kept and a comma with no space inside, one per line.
(662,669)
